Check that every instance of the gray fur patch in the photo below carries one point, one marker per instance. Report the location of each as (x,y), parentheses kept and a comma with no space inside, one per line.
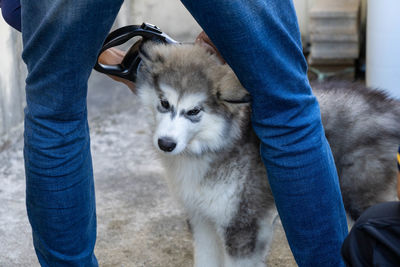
(173,112)
(193,119)
(241,237)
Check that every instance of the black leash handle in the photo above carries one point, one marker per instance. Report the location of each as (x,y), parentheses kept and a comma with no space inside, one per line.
(127,69)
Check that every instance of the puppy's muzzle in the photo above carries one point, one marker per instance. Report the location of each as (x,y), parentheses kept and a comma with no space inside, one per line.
(166,144)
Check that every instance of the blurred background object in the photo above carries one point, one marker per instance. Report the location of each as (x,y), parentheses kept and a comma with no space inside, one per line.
(334,32)
(383,46)
(335,37)
(12,80)
(352,39)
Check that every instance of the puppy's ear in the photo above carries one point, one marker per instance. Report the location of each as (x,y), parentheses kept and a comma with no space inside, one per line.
(151,56)
(144,52)
(230,90)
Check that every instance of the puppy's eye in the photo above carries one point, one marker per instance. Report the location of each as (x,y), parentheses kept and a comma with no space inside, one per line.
(193,112)
(165,104)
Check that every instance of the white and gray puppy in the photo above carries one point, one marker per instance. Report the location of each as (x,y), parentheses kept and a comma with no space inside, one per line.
(211,155)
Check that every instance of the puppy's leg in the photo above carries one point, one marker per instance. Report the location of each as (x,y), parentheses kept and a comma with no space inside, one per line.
(207,246)
(248,245)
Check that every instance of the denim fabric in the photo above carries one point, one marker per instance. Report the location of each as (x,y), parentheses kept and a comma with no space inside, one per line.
(260,40)
(11,11)
(61,40)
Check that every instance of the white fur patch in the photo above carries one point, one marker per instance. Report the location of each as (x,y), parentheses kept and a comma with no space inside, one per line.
(217,200)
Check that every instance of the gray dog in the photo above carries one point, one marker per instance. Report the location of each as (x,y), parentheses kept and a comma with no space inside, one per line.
(211,155)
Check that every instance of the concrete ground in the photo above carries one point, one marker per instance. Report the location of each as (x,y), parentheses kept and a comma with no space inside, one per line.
(139,223)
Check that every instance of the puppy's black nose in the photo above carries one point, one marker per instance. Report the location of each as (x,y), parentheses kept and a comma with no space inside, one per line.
(166,144)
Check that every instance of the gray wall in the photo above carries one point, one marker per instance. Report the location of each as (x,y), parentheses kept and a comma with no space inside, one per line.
(12,75)
(170,15)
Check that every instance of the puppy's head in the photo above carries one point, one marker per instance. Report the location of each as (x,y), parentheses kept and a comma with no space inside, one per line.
(198,103)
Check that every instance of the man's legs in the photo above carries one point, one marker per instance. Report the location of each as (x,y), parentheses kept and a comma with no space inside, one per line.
(260,40)
(61,41)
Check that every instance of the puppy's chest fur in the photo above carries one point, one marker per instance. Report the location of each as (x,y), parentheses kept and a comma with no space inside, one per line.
(208,186)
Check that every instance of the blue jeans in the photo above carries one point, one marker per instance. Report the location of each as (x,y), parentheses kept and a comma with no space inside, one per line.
(11,11)
(61,40)
(259,39)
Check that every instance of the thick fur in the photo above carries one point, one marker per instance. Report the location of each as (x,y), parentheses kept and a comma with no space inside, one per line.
(363,129)
(211,155)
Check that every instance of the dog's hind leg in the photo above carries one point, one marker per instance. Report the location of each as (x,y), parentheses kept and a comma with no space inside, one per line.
(207,246)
